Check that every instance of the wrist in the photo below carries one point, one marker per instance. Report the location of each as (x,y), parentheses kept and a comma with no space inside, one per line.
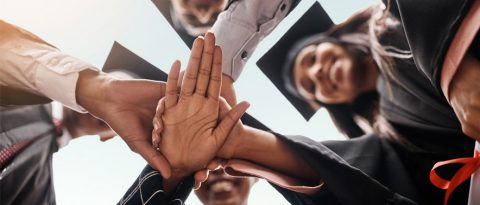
(234,143)
(92,90)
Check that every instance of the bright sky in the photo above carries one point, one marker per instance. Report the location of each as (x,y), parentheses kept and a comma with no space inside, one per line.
(90,172)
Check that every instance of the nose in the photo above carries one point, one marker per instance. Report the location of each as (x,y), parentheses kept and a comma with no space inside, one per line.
(316,72)
(318,69)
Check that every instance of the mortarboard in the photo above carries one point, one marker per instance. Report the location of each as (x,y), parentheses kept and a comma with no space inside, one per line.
(122,59)
(314,21)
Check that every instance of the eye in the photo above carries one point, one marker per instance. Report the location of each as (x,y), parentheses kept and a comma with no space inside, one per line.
(308,85)
(311,59)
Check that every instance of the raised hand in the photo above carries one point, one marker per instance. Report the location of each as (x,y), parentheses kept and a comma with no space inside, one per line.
(191,134)
(128,107)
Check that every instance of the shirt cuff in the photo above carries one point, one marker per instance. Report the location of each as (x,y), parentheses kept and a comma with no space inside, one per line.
(57,75)
(242,26)
(242,168)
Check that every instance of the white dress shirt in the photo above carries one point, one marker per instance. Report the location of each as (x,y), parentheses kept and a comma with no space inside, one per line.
(240,28)
(31,64)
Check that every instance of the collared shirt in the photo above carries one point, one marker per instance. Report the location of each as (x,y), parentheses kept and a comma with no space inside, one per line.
(31,64)
(249,22)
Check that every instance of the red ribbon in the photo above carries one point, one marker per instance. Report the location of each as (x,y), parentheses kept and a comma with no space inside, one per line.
(470,165)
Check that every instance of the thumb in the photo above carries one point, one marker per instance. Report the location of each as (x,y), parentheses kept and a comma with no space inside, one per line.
(154,158)
(230,119)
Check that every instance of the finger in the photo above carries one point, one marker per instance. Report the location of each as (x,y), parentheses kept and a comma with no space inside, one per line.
(200,176)
(224,107)
(154,158)
(171,96)
(107,136)
(215,164)
(227,123)
(190,76)
(216,75)
(156,133)
(158,123)
(205,65)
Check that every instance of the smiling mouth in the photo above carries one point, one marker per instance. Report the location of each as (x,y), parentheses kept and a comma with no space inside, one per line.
(222,186)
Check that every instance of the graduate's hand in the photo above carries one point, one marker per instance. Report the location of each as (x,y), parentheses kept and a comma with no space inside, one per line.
(128,107)
(465,96)
(191,132)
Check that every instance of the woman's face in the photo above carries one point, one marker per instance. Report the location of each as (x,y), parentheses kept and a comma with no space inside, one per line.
(328,73)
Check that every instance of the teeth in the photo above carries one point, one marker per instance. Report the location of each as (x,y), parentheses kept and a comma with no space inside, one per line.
(223,186)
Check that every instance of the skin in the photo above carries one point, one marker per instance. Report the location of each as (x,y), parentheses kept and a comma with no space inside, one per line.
(80,124)
(197,16)
(128,107)
(328,73)
(221,189)
(465,95)
(199,122)
(189,121)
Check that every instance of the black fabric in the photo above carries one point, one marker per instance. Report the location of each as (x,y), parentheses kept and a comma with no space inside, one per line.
(415,107)
(28,178)
(418,111)
(430,26)
(11,96)
(148,189)
(364,170)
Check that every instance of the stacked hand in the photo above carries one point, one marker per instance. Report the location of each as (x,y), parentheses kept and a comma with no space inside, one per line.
(187,128)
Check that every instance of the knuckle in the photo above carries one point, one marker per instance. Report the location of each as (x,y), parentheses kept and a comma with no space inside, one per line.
(216,78)
(191,76)
(201,90)
(171,92)
(186,93)
(204,71)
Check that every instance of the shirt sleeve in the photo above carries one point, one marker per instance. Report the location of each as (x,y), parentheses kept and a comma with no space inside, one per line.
(148,189)
(31,64)
(242,26)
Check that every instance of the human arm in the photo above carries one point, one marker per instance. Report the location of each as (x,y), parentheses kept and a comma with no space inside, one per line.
(465,96)
(239,29)
(32,65)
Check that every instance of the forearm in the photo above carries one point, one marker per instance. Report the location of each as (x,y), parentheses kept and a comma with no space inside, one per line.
(242,26)
(265,149)
(32,65)
(91,90)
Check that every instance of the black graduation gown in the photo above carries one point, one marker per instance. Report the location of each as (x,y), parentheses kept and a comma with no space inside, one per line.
(413,102)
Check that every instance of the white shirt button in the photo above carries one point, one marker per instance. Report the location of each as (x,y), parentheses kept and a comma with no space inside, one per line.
(53,62)
(67,65)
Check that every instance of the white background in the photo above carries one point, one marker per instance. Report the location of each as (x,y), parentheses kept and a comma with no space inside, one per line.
(90,172)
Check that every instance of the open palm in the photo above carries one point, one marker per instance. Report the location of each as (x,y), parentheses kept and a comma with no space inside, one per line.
(191,134)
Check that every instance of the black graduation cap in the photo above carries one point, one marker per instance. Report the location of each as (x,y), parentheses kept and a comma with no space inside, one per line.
(314,21)
(122,59)
(165,7)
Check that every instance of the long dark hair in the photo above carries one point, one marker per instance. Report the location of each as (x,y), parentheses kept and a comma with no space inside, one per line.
(359,35)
